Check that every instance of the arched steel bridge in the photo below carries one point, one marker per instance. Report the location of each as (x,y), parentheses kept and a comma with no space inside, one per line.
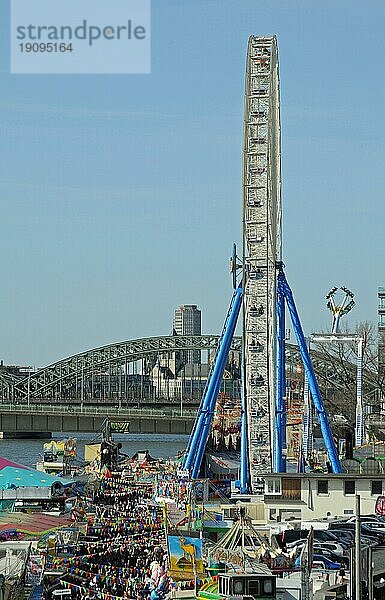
(57,379)
(79,377)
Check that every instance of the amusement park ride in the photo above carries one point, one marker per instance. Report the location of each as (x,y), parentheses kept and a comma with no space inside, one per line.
(264,294)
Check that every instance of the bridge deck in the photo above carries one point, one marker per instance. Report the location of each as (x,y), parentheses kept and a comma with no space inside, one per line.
(55,417)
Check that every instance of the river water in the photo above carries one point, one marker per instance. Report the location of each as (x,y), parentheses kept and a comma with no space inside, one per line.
(28,452)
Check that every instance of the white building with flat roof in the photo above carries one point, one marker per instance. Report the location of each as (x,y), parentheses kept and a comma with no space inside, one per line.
(308,496)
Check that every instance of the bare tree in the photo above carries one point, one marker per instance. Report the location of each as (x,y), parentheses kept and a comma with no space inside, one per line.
(338,375)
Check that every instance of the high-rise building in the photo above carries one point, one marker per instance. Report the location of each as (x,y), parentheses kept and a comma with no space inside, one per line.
(188,321)
(381,329)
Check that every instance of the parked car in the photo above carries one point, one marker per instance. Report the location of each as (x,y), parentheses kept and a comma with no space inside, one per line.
(295,544)
(366,529)
(380,527)
(349,534)
(320,562)
(332,550)
(325,535)
(331,555)
(367,539)
(335,525)
(365,519)
(344,537)
(381,518)
(335,547)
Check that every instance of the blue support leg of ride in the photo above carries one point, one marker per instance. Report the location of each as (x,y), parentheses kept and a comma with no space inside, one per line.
(216,378)
(195,434)
(204,404)
(208,404)
(313,385)
(213,391)
(279,463)
(244,470)
(197,431)
(209,413)
(197,420)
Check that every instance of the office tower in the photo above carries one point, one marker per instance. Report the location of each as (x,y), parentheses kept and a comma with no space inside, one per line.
(188,321)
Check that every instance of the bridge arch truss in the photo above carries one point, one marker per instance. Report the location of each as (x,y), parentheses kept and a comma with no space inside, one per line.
(81,374)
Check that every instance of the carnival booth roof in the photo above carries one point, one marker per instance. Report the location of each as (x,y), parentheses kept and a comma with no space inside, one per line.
(31,523)
(14,475)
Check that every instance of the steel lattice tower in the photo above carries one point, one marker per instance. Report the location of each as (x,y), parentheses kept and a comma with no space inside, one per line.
(261,245)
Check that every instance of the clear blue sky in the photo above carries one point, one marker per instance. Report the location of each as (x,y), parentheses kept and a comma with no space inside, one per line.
(120,196)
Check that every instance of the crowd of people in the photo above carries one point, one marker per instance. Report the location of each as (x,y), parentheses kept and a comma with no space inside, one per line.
(122,552)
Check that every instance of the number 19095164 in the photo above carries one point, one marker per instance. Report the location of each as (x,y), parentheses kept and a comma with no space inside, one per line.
(45,47)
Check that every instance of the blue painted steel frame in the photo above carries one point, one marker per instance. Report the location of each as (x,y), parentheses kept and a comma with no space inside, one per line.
(201,430)
(279,446)
(313,385)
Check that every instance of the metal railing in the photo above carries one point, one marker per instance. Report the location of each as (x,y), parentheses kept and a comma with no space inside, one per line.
(96,410)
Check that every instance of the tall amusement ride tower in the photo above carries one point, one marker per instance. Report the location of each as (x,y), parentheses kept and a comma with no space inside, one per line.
(264,293)
(262,246)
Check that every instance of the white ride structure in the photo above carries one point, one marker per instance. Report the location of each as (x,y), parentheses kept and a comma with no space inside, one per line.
(262,246)
(264,293)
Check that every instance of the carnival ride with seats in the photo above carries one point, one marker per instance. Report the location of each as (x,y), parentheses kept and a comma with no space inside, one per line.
(264,294)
